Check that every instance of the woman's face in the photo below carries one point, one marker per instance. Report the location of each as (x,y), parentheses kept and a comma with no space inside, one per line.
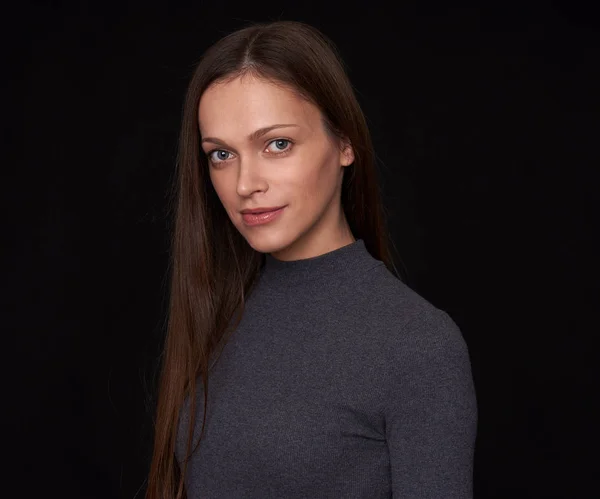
(299,166)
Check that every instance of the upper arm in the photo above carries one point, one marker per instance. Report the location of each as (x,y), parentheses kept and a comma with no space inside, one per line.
(431,413)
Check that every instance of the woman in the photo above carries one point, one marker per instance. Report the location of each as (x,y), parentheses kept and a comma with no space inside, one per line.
(329,377)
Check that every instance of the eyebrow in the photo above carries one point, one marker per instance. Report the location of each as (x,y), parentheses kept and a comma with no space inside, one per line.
(253,136)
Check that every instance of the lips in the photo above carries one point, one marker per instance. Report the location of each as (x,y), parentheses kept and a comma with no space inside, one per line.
(260,210)
(261,218)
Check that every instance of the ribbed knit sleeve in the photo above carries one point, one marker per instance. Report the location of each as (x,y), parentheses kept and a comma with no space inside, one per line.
(431,411)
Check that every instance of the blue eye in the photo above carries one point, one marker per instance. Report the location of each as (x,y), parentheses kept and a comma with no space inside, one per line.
(219,156)
(278,143)
(282,146)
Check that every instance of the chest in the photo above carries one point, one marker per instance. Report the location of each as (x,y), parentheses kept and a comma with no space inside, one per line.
(276,403)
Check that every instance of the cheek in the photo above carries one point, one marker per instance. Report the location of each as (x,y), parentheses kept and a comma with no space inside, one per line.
(219,185)
(218,182)
(322,179)
(310,189)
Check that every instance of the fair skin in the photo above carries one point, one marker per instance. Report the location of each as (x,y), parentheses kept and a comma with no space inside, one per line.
(299,166)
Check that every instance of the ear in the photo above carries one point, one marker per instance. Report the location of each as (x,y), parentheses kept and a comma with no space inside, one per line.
(346,153)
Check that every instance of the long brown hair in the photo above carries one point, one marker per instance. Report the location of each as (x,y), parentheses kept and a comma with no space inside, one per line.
(212,267)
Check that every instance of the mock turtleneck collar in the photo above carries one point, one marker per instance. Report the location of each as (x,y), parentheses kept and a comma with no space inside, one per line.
(352,257)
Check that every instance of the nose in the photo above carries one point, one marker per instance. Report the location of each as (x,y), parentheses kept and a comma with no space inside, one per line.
(250,177)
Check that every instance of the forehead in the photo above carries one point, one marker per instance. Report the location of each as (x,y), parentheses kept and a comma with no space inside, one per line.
(244,104)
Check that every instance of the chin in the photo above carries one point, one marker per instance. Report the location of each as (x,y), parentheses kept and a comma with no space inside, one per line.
(266,243)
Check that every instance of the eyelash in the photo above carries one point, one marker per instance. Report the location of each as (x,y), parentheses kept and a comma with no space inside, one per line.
(282,153)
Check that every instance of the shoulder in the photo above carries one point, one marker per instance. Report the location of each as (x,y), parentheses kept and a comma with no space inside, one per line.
(411,328)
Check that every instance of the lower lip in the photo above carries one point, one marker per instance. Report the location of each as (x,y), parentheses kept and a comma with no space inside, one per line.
(261,218)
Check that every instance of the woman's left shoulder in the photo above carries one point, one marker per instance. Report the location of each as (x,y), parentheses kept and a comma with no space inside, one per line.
(408,319)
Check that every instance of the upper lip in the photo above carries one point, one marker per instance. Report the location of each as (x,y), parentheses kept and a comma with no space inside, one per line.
(261,210)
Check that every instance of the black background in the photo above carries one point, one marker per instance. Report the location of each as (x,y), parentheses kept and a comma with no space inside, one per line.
(485,123)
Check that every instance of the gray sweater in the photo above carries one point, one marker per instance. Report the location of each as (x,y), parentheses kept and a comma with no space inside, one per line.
(340,382)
